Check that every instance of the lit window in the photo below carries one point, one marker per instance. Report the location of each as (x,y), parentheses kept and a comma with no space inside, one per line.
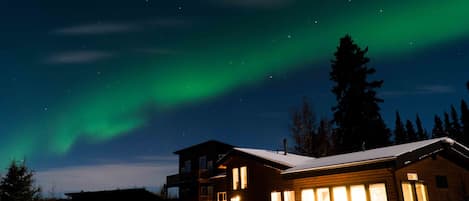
(421,191)
(323,194)
(358,192)
(288,195)
(307,195)
(235,179)
(378,192)
(221,196)
(407,191)
(275,196)
(244,177)
(235,198)
(340,193)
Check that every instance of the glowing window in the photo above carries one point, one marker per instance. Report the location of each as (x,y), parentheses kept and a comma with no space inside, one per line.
(235,198)
(288,195)
(307,195)
(340,193)
(421,191)
(358,192)
(323,194)
(275,196)
(235,179)
(378,192)
(221,196)
(407,191)
(244,177)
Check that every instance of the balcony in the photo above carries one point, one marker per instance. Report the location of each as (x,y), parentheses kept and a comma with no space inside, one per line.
(178,179)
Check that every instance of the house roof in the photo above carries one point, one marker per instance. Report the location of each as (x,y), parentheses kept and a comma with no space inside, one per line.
(213,143)
(279,157)
(378,155)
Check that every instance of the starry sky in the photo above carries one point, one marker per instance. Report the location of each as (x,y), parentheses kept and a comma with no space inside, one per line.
(98,94)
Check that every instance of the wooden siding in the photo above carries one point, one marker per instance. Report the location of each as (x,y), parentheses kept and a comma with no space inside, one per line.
(427,170)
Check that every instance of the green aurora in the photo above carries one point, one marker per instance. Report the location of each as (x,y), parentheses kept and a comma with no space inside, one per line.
(225,59)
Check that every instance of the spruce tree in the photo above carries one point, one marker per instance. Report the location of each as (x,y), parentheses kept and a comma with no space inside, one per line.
(17,184)
(438,130)
(465,123)
(447,124)
(411,134)
(356,114)
(455,125)
(421,132)
(400,135)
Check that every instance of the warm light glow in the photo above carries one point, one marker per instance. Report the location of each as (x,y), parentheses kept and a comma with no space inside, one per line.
(275,196)
(307,195)
(421,191)
(221,196)
(340,193)
(323,194)
(407,191)
(244,177)
(235,178)
(358,193)
(288,195)
(378,192)
(236,198)
(412,176)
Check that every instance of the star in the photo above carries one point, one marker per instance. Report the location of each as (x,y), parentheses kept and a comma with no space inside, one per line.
(381,10)
(315,22)
(288,36)
(271,77)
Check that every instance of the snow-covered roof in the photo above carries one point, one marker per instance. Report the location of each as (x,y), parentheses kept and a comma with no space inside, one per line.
(289,160)
(366,157)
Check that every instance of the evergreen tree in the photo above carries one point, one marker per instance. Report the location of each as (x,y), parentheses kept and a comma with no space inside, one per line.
(400,135)
(421,132)
(456,131)
(324,138)
(465,123)
(357,111)
(411,134)
(438,130)
(447,123)
(17,184)
(303,129)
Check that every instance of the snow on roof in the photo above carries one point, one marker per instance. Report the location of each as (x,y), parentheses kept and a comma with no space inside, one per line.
(279,157)
(364,157)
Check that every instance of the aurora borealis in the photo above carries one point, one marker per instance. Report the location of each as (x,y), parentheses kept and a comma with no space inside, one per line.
(86,74)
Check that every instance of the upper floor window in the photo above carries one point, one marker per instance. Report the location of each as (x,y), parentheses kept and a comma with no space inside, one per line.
(203,162)
(221,196)
(240,178)
(414,191)
(235,178)
(187,166)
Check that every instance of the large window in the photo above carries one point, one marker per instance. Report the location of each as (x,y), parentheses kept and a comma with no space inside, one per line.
(414,191)
(289,196)
(244,177)
(340,193)
(275,196)
(323,194)
(187,166)
(221,196)
(237,172)
(358,192)
(235,178)
(307,195)
(378,192)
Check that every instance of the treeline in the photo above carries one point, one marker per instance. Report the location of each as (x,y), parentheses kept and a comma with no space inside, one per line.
(356,122)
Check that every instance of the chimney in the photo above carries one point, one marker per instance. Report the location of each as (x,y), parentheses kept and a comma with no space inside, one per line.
(285,146)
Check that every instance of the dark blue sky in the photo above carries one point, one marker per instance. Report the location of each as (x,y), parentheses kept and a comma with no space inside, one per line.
(92,90)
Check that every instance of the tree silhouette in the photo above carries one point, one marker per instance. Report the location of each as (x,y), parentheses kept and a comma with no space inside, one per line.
(400,135)
(456,131)
(438,130)
(411,134)
(17,184)
(447,124)
(421,132)
(303,129)
(357,112)
(465,122)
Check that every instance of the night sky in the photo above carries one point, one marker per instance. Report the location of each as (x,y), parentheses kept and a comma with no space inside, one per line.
(98,94)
